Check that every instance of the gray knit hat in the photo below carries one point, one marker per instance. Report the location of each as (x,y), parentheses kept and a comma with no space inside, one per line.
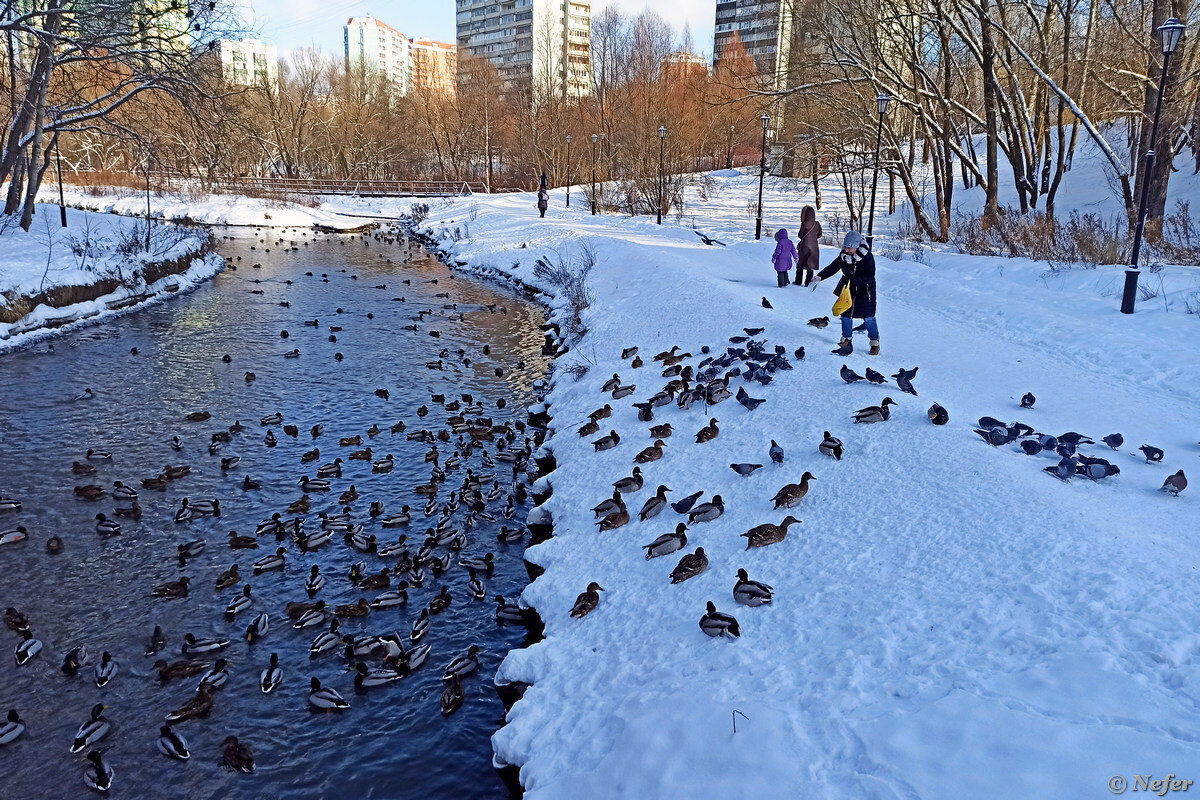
(853,239)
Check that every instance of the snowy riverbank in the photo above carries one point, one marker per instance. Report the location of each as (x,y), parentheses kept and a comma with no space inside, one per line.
(55,279)
(949,621)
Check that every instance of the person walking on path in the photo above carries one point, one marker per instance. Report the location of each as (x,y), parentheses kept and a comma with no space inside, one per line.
(809,258)
(543,201)
(857,265)
(785,254)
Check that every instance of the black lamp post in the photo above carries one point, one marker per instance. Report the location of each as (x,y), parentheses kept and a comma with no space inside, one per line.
(595,139)
(729,150)
(1169,33)
(882,102)
(568,170)
(149,156)
(662,138)
(762,171)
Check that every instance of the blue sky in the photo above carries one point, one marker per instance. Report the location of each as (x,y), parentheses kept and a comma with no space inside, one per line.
(300,23)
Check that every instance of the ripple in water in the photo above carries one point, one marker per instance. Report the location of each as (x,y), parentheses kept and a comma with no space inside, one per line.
(393,742)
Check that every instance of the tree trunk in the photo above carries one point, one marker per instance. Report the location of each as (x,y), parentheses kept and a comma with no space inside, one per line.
(991,202)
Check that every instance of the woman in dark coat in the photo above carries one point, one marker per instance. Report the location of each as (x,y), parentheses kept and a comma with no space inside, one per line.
(809,260)
(857,265)
(543,201)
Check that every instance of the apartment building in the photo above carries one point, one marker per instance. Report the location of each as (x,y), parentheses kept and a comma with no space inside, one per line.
(541,45)
(376,48)
(765,30)
(435,66)
(249,62)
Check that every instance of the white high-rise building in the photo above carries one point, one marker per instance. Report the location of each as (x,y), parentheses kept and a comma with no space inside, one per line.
(249,62)
(377,48)
(543,44)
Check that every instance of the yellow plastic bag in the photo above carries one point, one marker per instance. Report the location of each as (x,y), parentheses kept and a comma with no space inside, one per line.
(844,301)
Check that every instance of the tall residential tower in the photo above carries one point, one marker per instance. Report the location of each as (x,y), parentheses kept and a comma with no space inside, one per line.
(541,45)
(407,65)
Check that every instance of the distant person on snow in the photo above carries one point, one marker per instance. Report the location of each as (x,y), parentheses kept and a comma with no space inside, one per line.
(782,258)
(809,259)
(857,265)
(543,200)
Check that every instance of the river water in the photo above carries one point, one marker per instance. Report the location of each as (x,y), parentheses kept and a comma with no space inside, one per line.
(393,742)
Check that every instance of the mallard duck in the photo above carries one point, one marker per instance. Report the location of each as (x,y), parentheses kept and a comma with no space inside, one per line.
(217,675)
(156,641)
(190,549)
(291,430)
(106,670)
(325,699)
(587,601)
(269,440)
(15,620)
(607,442)
(452,696)
(871,414)
(271,676)
(237,542)
(349,496)
(82,468)
(589,429)
(667,543)
(615,503)
(54,545)
(384,464)
(654,505)
(12,729)
(199,416)
(18,534)
(310,485)
(365,678)
(396,597)
(27,648)
(510,535)
(272,525)
(464,665)
(366,454)
(707,512)
(690,566)
(708,432)
(623,391)
(277,561)
(381,580)
(106,526)
(330,470)
(314,615)
(663,431)
(98,775)
(326,641)
(421,625)
(89,492)
(652,453)
(271,419)
(475,586)
(441,601)
(507,614)
(831,446)
(398,520)
(631,483)
(258,628)
(175,473)
(611,383)
(9,504)
(199,706)
(763,535)
(172,744)
(716,624)
(791,494)
(938,415)
(315,581)
(614,520)
(360,609)
(239,604)
(75,658)
(157,483)
(193,645)
(229,577)
(178,669)
(92,731)
(311,541)
(751,593)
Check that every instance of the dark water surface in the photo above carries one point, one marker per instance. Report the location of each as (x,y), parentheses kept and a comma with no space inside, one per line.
(393,742)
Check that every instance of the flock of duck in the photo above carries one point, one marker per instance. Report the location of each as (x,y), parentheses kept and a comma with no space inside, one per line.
(477,473)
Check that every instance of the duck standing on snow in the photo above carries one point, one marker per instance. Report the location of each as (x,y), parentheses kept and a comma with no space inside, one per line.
(768,533)
(793,493)
(717,625)
(587,601)
(751,593)
(690,566)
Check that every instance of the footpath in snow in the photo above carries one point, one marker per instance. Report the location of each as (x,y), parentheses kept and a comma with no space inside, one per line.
(55,279)
(948,620)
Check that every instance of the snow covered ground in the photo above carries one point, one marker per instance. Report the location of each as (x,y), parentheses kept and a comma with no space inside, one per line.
(88,251)
(949,621)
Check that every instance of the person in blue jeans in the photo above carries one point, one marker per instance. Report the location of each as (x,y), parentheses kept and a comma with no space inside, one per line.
(857,265)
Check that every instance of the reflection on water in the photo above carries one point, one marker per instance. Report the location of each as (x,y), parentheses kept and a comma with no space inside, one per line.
(393,742)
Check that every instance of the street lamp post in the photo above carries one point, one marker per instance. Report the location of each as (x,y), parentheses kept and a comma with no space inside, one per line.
(729,150)
(662,138)
(1169,33)
(62,202)
(149,156)
(595,139)
(568,170)
(762,171)
(882,103)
